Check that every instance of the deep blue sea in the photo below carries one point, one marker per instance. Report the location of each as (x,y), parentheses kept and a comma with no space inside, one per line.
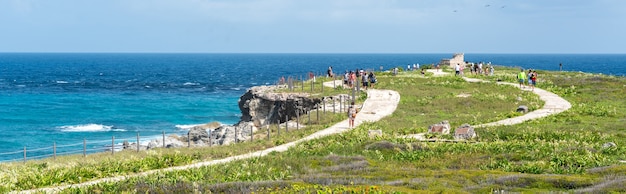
(70,97)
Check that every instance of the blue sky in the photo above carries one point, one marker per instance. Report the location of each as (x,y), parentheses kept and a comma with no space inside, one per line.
(314,26)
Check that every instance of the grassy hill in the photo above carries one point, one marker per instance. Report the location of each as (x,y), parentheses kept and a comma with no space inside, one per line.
(563,152)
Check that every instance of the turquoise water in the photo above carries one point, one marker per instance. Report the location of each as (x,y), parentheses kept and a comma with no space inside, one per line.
(67,98)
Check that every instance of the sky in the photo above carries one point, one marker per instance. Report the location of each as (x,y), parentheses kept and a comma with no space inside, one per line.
(313,26)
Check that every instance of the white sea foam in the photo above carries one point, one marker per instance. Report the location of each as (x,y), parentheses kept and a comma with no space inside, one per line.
(62,82)
(89,128)
(186,127)
(191,84)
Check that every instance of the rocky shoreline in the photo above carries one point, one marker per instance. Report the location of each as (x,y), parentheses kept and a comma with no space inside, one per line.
(260,107)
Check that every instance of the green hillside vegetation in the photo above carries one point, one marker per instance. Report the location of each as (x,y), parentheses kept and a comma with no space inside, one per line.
(562,152)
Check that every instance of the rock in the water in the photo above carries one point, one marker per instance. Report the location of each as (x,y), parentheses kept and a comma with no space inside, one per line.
(465,132)
(609,145)
(522,109)
(443,128)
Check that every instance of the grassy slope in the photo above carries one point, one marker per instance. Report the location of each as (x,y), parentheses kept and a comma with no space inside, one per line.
(560,152)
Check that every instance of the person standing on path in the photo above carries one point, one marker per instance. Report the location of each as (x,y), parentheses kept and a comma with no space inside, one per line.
(457,69)
(365,80)
(330,71)
(560,66)
(351,115)
(533,79)
(521,76)
(372,78)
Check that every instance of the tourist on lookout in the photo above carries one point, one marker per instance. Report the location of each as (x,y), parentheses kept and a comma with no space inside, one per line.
(521,76)
(351,115)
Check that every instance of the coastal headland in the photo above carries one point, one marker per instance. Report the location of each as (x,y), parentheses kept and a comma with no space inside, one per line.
(544,150)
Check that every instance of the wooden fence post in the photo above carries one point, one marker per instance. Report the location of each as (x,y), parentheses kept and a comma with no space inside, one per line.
(138,141)
(84,147)
(334,111)
(278,128)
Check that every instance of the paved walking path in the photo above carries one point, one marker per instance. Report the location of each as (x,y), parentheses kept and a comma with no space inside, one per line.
(554,104)
(379,104)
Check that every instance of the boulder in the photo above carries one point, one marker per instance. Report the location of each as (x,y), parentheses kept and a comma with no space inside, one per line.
(522,109)
(609,145)
(152,145)
(197,133)
(465,132)
(375,133)
(443,128)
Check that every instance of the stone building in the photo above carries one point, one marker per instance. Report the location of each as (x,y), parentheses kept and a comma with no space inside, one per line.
(457,58)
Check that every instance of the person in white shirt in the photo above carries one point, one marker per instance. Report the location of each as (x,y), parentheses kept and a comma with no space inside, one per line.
(457,68)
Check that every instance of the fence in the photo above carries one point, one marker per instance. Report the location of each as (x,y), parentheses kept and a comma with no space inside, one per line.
(92,146)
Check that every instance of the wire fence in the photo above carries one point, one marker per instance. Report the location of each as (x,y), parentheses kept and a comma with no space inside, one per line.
(113,145)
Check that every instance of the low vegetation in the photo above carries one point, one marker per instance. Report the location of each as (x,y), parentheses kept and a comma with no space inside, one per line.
(578,150)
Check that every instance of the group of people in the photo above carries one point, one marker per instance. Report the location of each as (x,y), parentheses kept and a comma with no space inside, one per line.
(481,68)
(413,67)
(367,79)
(530,78)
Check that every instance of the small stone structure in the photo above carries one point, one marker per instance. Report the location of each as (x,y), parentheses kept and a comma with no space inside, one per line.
(443,128)
(522,109)
(457,58)
(465,132)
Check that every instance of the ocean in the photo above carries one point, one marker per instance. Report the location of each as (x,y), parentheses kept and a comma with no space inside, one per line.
(68,98)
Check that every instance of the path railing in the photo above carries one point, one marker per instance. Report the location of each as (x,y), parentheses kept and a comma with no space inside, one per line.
(89,146)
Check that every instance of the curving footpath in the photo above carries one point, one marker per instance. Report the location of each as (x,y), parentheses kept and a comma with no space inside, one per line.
(379,104)
(554,104)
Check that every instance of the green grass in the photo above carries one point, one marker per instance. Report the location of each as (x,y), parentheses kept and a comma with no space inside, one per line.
(562,152)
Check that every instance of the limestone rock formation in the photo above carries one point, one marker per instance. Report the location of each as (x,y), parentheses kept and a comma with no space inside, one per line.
(261,106)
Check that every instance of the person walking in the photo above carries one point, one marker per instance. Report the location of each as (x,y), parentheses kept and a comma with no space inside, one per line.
(457,69)
(351,115)
(521,76)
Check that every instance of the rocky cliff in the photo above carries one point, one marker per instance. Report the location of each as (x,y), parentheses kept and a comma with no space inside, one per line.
(261,106)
